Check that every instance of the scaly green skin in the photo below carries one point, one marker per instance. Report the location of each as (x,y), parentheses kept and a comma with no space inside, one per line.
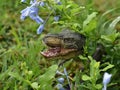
(71,42)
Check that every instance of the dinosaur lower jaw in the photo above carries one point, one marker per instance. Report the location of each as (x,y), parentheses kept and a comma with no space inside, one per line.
(57,52)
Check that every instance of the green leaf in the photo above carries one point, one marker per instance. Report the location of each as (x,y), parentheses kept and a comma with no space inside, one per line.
(60,22)
(85,77)
(34,85)
(98,86)
(75,10)
(82,57)
(59,7)
(16,75)
(46,78)
(110,38)
(113,24)
(90,27)
(89,19)
(107,67)
(4,74)
(94,70)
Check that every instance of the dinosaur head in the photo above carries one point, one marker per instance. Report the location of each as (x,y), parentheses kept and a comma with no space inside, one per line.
(65,45)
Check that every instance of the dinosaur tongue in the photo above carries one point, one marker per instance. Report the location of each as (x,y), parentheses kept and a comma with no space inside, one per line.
(51,52)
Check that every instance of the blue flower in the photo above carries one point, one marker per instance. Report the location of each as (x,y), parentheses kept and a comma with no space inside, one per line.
(33,9)
(36,18)
(56,18)
(24,13)
(65,72)
(40,29)
(32,12)
(59,3)
(42,3)
(106,80)
(34,15)
(61,80)
(59,87)
(32,1)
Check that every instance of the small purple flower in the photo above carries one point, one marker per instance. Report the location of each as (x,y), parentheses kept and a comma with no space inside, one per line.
(24,13)
(42,3)
(65,72)
(32,1)
(32,12)
(59,87)
(56,18)
(40,29)
(59,3)
(34,15)
(36,18)
(61,80)
(106,80)
(33,9)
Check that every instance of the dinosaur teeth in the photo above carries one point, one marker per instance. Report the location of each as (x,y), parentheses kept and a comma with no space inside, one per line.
(51,52)
(56,51)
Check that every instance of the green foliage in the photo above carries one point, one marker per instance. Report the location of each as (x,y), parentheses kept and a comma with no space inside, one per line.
(23,68)
(90,23)
(47,78)
(94,75)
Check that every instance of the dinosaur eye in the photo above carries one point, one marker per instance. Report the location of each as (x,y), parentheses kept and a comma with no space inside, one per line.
(69,40)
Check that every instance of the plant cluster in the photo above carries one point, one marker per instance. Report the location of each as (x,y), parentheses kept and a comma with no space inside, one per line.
(23,68)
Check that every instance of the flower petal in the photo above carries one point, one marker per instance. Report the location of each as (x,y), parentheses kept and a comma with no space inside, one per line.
(106,78)
(42,3)
(56,18)
(36,18)
(61,80)
(32,1)
(40,29)
(24,13)
(59,87)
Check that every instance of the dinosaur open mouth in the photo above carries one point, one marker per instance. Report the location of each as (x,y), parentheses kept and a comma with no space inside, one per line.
(64,45)
(56,51)
(51,52)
